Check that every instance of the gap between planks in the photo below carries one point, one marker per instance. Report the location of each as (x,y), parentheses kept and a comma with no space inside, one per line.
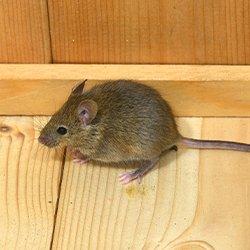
(58,197)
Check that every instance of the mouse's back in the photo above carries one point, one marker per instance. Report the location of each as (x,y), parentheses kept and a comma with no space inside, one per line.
(133,117)
(125,99)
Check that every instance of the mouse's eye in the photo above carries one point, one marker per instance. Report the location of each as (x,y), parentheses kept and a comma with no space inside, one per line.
(83,112)
(62,130)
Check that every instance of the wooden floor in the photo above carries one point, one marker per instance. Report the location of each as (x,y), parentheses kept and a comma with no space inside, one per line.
(193,200)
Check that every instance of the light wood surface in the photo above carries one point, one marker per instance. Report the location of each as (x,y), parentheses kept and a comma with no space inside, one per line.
(111,71)
(164,31)
(29,182)
(44,97)
(191,90)
(24,29)
(193,200)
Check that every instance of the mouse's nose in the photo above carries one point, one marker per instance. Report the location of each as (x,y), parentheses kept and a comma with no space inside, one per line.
(44,139)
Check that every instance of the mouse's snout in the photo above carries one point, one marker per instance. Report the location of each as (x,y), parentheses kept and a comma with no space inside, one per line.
(46,140)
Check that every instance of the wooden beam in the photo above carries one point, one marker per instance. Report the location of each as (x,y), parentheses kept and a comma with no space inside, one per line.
(139,72)
(41,97)
(191,90)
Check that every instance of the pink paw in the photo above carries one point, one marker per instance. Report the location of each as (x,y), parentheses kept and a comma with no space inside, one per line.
(127,177)
(79,161)
(77,156)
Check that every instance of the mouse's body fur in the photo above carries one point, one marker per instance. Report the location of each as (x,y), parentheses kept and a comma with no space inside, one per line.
(118,121)
(133,122)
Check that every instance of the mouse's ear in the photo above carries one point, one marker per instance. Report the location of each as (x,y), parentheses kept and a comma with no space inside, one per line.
(87,111)
(78,88)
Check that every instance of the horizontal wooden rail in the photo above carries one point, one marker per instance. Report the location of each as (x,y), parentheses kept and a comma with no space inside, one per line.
(199,91)
(139,72)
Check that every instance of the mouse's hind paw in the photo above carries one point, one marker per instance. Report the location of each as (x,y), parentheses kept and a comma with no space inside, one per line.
(127,177)
(138,174)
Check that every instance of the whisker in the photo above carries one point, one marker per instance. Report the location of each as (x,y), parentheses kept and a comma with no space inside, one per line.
(47,155)
(40,147)
(40,122)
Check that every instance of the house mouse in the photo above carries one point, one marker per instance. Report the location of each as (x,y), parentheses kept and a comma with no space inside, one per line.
(120,121)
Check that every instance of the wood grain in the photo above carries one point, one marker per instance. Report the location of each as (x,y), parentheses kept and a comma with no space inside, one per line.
(24,32)
(135,31)
(42,97)
(193,200)
(224,181)
(29,182)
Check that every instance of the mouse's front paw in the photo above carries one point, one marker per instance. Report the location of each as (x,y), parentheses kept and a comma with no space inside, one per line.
(80,161)
(78,157)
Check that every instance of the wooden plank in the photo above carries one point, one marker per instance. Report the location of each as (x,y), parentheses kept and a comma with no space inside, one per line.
(193,200)
(135,31)
(29,181)
(33,97)
(138,72)
(42,97)
(24,32)
(222,217)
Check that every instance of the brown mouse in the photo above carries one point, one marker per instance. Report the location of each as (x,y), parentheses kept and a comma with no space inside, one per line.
(120,122)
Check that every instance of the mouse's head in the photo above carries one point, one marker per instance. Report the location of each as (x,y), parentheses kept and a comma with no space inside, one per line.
(71,121)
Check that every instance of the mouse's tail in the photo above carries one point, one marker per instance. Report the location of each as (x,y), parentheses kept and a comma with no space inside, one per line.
(215,144)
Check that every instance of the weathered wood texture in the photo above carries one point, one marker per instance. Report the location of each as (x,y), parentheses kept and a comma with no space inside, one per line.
(29,185)
(43,97)
(163,31)
(24,32)
(194,200)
